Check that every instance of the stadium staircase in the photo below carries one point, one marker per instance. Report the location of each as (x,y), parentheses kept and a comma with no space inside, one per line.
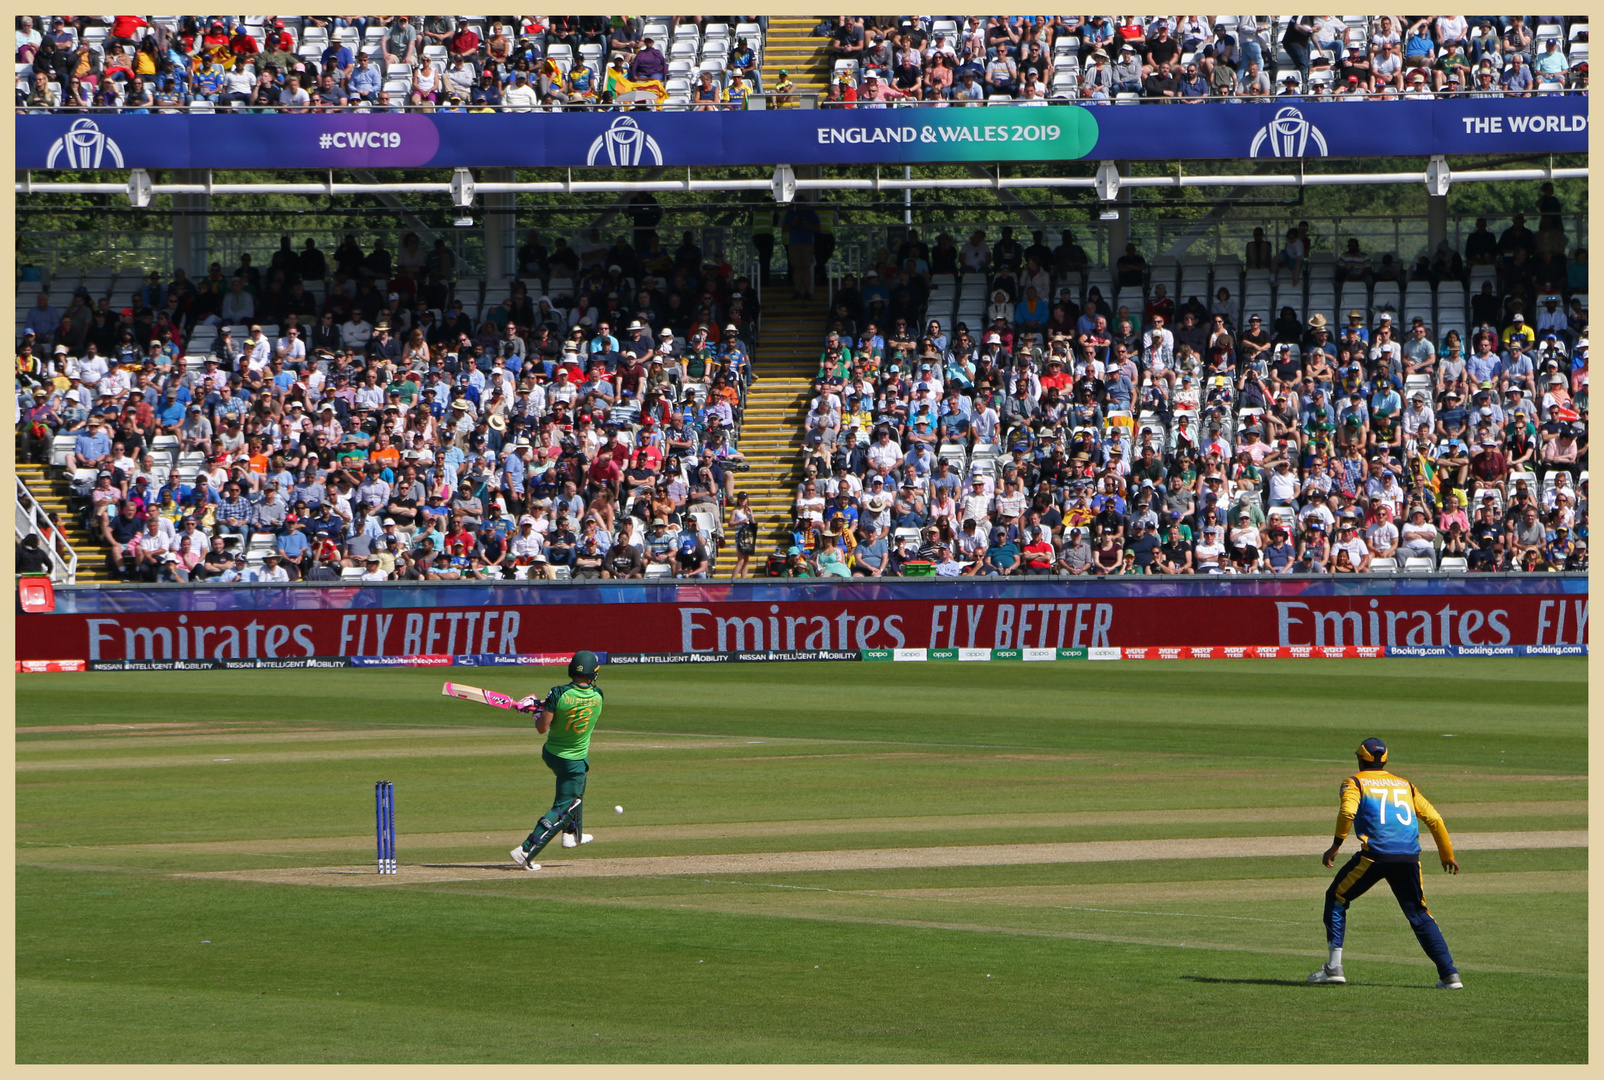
(51,495)
(790,44)
(771,435)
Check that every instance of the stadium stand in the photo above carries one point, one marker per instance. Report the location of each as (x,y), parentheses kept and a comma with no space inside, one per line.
(376,414)
(370,412)
(1002,407)
(479,63)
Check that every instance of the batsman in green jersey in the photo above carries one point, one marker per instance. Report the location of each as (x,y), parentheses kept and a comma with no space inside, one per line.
(566,716)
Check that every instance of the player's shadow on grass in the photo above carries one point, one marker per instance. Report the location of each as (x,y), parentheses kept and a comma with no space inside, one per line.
(1282,982)
(1247,982)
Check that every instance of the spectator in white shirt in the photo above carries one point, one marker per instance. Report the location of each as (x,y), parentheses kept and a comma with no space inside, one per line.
(1347,539)
(1382,536)
(977,504)
(884,451)
(1159,343)
(291,349)
(355,332)
(1451,30)
(976,254)
(520,96)
(1283,485)
(294,99)
(239,306)
(1419,535)
(272,570)
(1418,419)
(258,350)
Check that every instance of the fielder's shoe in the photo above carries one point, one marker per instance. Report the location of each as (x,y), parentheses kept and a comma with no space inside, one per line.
(1451,982)
(521,857)
(1328,974)
(570,840)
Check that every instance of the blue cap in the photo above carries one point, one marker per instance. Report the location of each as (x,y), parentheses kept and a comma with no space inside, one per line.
(1373,750)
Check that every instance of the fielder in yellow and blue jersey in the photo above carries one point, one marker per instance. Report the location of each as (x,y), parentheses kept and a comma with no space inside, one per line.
(1385,811)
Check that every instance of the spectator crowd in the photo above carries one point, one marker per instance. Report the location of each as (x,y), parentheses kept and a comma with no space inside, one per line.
(525,63)
(1117,431)
(159,64)
(1193,59)
(356,415)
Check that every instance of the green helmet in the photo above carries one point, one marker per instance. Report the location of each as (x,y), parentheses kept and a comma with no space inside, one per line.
(583,663)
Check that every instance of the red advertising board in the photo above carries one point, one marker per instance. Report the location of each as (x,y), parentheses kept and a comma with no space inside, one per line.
(1186,623)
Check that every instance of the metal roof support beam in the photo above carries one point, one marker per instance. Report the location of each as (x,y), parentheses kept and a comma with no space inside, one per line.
(1008,198)
(606,217)
(1216,213)
(29,186)
(426,233)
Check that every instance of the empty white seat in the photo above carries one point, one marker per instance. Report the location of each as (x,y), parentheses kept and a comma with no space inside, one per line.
(707,523)
(60,447)
(1417,564)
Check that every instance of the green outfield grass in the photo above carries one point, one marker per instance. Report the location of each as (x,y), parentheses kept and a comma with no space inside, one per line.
(849,886)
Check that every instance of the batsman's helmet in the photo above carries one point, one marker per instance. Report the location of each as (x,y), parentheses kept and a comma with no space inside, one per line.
(1373,751)
(583,663)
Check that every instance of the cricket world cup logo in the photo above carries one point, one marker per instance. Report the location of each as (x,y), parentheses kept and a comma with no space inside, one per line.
(84,146)
(1289,135)
(626,144)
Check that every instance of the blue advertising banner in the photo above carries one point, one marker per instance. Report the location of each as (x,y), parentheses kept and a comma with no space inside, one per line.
(116,599)
(1282,128)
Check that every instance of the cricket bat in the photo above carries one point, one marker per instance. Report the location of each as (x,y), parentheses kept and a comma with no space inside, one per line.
(483,697)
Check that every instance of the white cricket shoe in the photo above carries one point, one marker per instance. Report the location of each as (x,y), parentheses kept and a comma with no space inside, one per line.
(570,840)
(1451,983)
(1328,974)
(521,857)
